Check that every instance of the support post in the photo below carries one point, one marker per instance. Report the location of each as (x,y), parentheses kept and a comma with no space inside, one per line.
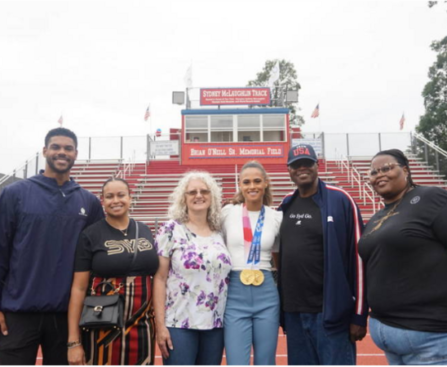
(323,149)
(413,143)
(347,145)
(148,149)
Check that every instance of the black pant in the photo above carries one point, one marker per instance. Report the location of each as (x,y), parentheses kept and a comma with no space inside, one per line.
(26,331)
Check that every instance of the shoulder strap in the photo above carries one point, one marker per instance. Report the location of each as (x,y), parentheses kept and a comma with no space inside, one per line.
(135,248)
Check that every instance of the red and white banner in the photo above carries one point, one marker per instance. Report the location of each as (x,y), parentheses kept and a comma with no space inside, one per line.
(234,96)
(235,151)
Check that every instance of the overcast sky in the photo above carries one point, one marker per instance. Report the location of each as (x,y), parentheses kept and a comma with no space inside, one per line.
(100,63)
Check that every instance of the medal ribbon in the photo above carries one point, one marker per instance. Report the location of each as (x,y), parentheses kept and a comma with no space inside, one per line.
(252,242)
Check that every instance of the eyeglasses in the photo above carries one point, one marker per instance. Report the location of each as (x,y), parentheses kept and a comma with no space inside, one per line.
(196,192)
(384,169)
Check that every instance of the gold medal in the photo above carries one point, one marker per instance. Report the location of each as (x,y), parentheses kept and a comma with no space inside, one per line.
(258,277)
(247,276)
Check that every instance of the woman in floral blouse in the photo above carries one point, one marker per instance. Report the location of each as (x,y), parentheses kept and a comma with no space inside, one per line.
(190,286)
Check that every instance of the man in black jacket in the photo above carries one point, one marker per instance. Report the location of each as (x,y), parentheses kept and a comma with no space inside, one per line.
(40,222)
(321,273)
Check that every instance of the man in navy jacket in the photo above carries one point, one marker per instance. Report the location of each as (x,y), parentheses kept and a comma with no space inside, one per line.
(320,272)
(40,222)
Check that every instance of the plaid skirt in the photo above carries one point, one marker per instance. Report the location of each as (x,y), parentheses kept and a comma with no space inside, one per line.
(135,344)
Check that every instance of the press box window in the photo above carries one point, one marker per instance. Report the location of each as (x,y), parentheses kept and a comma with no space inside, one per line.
(248,128)
(274,127)
(221,128)
(196,129)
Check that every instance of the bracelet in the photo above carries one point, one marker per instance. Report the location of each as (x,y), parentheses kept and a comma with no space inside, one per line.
(73,344)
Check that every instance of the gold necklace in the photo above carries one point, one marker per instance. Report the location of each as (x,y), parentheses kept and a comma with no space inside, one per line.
(123,231)
(389,214)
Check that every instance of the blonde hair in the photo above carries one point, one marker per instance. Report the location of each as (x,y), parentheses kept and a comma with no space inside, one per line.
(267,199)
(179,211)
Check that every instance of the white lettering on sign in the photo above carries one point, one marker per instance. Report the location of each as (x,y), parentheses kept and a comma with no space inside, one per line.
(260,93)
(274,151)
(197,152)
(214,93)
(246,151)
(216,152)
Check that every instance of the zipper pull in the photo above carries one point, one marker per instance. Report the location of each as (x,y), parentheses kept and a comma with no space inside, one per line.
(62,192)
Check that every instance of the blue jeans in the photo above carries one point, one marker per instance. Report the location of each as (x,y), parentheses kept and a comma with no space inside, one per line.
(195,347)
(403,346)
(251,318)
(308,343)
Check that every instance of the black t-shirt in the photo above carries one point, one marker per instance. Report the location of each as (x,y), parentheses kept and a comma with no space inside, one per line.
(405,259)
(302,258)
(107,252)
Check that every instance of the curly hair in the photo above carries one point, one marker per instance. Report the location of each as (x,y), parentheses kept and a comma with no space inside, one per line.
(179,211)
(238,198)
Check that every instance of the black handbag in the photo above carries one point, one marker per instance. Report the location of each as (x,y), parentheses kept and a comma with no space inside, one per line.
(105,311)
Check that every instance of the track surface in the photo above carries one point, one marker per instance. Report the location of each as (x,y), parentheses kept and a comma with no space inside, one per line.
(367,353)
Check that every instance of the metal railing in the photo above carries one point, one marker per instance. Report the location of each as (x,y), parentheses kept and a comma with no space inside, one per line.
(369,193)
(126,169)
(357,178)
(434,155)
(29,168)
(365,190)
(430,144)
(343,163)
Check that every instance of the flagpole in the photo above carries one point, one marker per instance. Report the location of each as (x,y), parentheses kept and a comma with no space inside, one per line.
(151,127)
(319,119)
(151,134)
(316,114)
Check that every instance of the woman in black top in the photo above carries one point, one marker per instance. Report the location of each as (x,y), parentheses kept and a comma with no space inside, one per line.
(404,249)
(105,252)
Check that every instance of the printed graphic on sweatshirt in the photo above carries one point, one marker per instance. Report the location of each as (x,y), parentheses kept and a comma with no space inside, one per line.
(118,247)
(300,218)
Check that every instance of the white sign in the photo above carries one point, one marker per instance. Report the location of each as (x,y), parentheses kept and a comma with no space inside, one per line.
(164,147)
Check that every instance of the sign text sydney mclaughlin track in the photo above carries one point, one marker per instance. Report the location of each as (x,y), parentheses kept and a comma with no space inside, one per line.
(236,93)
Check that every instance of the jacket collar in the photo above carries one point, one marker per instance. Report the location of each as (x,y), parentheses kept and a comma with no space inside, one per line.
(51,183)
(318,197)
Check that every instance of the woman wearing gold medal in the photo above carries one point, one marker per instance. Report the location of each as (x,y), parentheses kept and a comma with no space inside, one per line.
(251,229)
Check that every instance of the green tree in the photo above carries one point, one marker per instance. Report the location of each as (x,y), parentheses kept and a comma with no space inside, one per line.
(433,124)
(433,3)
(287,81)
